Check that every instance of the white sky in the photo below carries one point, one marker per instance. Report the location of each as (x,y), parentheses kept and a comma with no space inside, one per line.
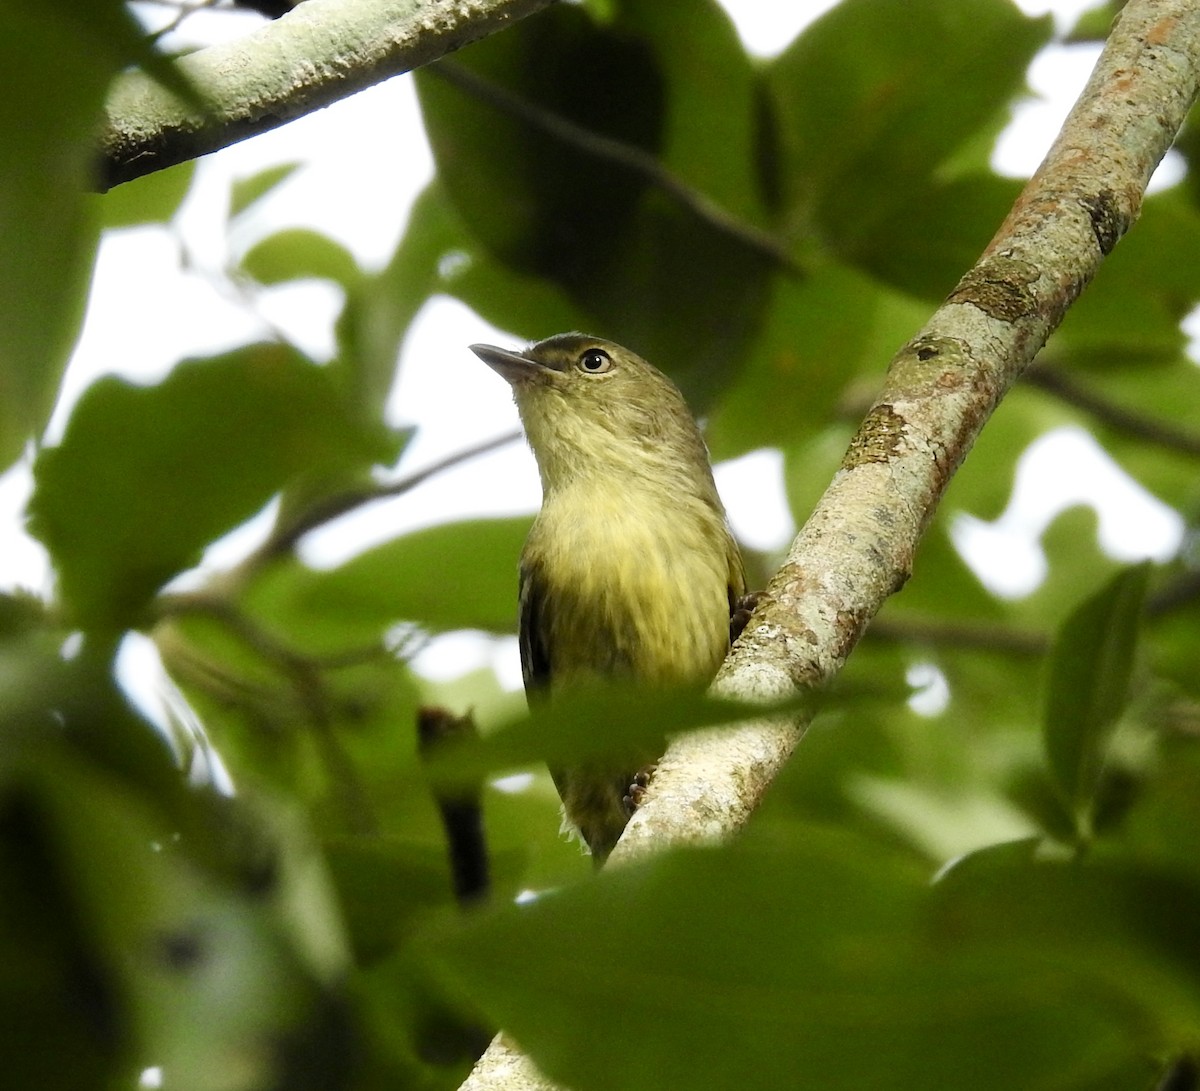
(146,312)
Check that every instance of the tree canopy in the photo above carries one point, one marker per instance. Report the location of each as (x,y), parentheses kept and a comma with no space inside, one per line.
(995,890)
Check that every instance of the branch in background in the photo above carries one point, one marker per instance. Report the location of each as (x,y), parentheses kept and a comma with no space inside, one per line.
(618,154)
(303,673)
(182,12)
(316,54)
(461,809)
(1178,593)
(285,536)
(1066,387)
(987,638)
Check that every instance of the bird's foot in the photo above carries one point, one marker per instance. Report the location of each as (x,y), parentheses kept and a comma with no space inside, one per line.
(740,615)
(637,788)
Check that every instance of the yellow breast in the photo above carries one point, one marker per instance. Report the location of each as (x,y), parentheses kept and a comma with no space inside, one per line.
(639,585)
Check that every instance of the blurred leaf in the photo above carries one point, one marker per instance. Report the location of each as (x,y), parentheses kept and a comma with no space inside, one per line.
(451,576)
(48,222)
(153,198)
(1094,24)
(864,984)
(145,477)
(548,207)
(297,253)
(1119,928)
(147,920)
(809,466)
(1161,826)
(983,485)
(942,586)
(380,307)
(386,887)
(593,721)
(527,305)
(932,235)
(247,191)
(46,127)
(1087,687)
(709,106)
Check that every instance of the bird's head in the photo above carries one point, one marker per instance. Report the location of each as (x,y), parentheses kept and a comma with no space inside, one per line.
(591,406)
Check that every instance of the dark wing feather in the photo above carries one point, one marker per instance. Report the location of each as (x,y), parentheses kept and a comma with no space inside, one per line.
(533,629)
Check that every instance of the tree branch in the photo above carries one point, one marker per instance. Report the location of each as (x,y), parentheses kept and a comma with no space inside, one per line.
(321,51)
(619,154)
(285,535)
(857,547)
(1000,639)
(1142,426)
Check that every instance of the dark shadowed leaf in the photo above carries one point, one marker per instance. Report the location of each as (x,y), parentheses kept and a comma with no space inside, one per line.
(577,188)
(1088,683)
(889,90)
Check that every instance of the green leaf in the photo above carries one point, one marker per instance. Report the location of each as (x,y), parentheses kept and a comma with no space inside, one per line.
(145,477)
(451,576)
(414,880)
(946,222)
(612,718)
(380,308)
(809,466)
(809,348)
(1150,279)
(1090,667)
(808,956)
(710,124)
(297,253)
(48,118)
(247,191)
(1118,927)
(153,198)
(875,96)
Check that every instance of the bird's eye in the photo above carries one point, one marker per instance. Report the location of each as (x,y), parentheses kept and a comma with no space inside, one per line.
(595,362)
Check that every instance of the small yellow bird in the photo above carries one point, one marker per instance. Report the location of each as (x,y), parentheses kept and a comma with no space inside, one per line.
(630,569)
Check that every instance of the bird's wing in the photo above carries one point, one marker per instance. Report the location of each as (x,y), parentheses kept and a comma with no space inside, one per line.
(532,630)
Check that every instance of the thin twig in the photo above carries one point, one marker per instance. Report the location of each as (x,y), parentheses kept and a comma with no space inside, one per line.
(1067,388)
(988,638)
(285,536)
(618,154)
(184,10)
(1180,592)
(303,672)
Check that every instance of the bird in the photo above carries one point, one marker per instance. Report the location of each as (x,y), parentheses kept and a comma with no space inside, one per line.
(630,570)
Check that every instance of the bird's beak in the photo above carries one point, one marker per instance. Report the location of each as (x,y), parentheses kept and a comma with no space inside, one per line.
(511,366)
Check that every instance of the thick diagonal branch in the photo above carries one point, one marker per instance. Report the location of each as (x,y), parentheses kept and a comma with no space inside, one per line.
(858,546)
(941,388)
(321,51)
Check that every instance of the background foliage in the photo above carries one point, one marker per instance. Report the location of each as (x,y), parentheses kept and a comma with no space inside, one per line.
(768,233)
